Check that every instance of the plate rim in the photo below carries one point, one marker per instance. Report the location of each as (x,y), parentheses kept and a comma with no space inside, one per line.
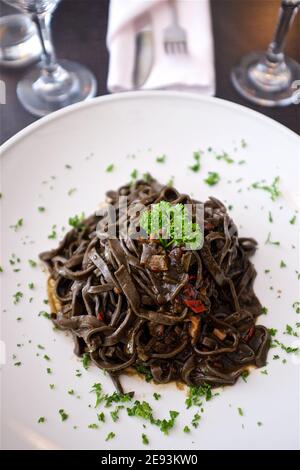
(133,95)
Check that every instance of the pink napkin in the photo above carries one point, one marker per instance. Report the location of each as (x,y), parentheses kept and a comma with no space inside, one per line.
(194,71)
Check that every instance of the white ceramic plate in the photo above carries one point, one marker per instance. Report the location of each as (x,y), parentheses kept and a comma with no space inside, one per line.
(131,130)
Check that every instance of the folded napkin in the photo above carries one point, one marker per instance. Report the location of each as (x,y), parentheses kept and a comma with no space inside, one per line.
(194,71)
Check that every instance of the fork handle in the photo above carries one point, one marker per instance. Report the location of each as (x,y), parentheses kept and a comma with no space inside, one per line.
(174,12)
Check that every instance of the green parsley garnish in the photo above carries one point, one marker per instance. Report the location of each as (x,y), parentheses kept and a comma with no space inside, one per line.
(41,419)
(97,389)
(195,395)
(186,429)
(110,436)
(287,349)
(32,263)
(282,264)
(144,371)
(272,189)
(63,415)
(17,297)
(293,220)
(52,386)
(270,242)
(170,224)
(46,357)
(49,371)
(161,159)
(41,209)
(272,331)
(296,306)
(110,168)
(17,225)
(212,178)
(115,414)
(264,372)
(1,269)
(245,375)
(290,331)
(145,439)
(144,411)
(76,221)
(18,364)
(53,233)
(270,217)
(101,417)
(196,419)
(31,285)
(71,392)
(224,156)
(72,191)
(241,412)
(196,166)
(86,360)
(93,426)
(133,175)
(157,396)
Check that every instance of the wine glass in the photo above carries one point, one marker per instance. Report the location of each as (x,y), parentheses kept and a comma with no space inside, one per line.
(51,85)
(268,78)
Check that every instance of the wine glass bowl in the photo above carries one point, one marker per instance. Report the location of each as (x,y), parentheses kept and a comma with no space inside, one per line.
(267,78)
(51,85)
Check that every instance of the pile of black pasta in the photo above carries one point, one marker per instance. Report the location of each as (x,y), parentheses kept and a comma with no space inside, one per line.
(172,314)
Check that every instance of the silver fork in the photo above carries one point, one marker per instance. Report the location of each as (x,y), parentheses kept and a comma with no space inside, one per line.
(175,37)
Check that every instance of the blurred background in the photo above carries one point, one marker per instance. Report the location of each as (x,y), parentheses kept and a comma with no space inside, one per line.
(79,30)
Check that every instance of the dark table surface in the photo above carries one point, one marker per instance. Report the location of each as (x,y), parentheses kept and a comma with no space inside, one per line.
(79,32)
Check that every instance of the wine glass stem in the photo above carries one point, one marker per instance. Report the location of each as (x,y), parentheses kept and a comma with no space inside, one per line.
(287,13)
(49,62)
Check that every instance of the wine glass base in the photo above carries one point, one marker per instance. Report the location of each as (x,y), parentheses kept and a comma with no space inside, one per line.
(39,104)
(242,82)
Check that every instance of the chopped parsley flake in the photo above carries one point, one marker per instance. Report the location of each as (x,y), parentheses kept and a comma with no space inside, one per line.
(52,386)
(296,306)
(32,263)
(86,360)
(145,439)
(53,233)
(195,395)
(287,349)
(17,297)
(41,419)
(272,331)
(196,166)
(290,331)
(144,371)
(31,285)
(293,220)
(41,209)
(224,156)
(17,225)
(110,436)
(18,364)
(46,357)
(93,426)
(270,242)
(282,264)
(241,412)
(110,168)
(245,375)
(76,221)
(115,414)
(186,429)
(101,417)
(156,396)
(63,415)
(264,372)
(49,371)
(264,310)
(161,159)
(270,217)
(272,189)
(72,191)
(71,392)
(133,175)
(196,420)
(212,178)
